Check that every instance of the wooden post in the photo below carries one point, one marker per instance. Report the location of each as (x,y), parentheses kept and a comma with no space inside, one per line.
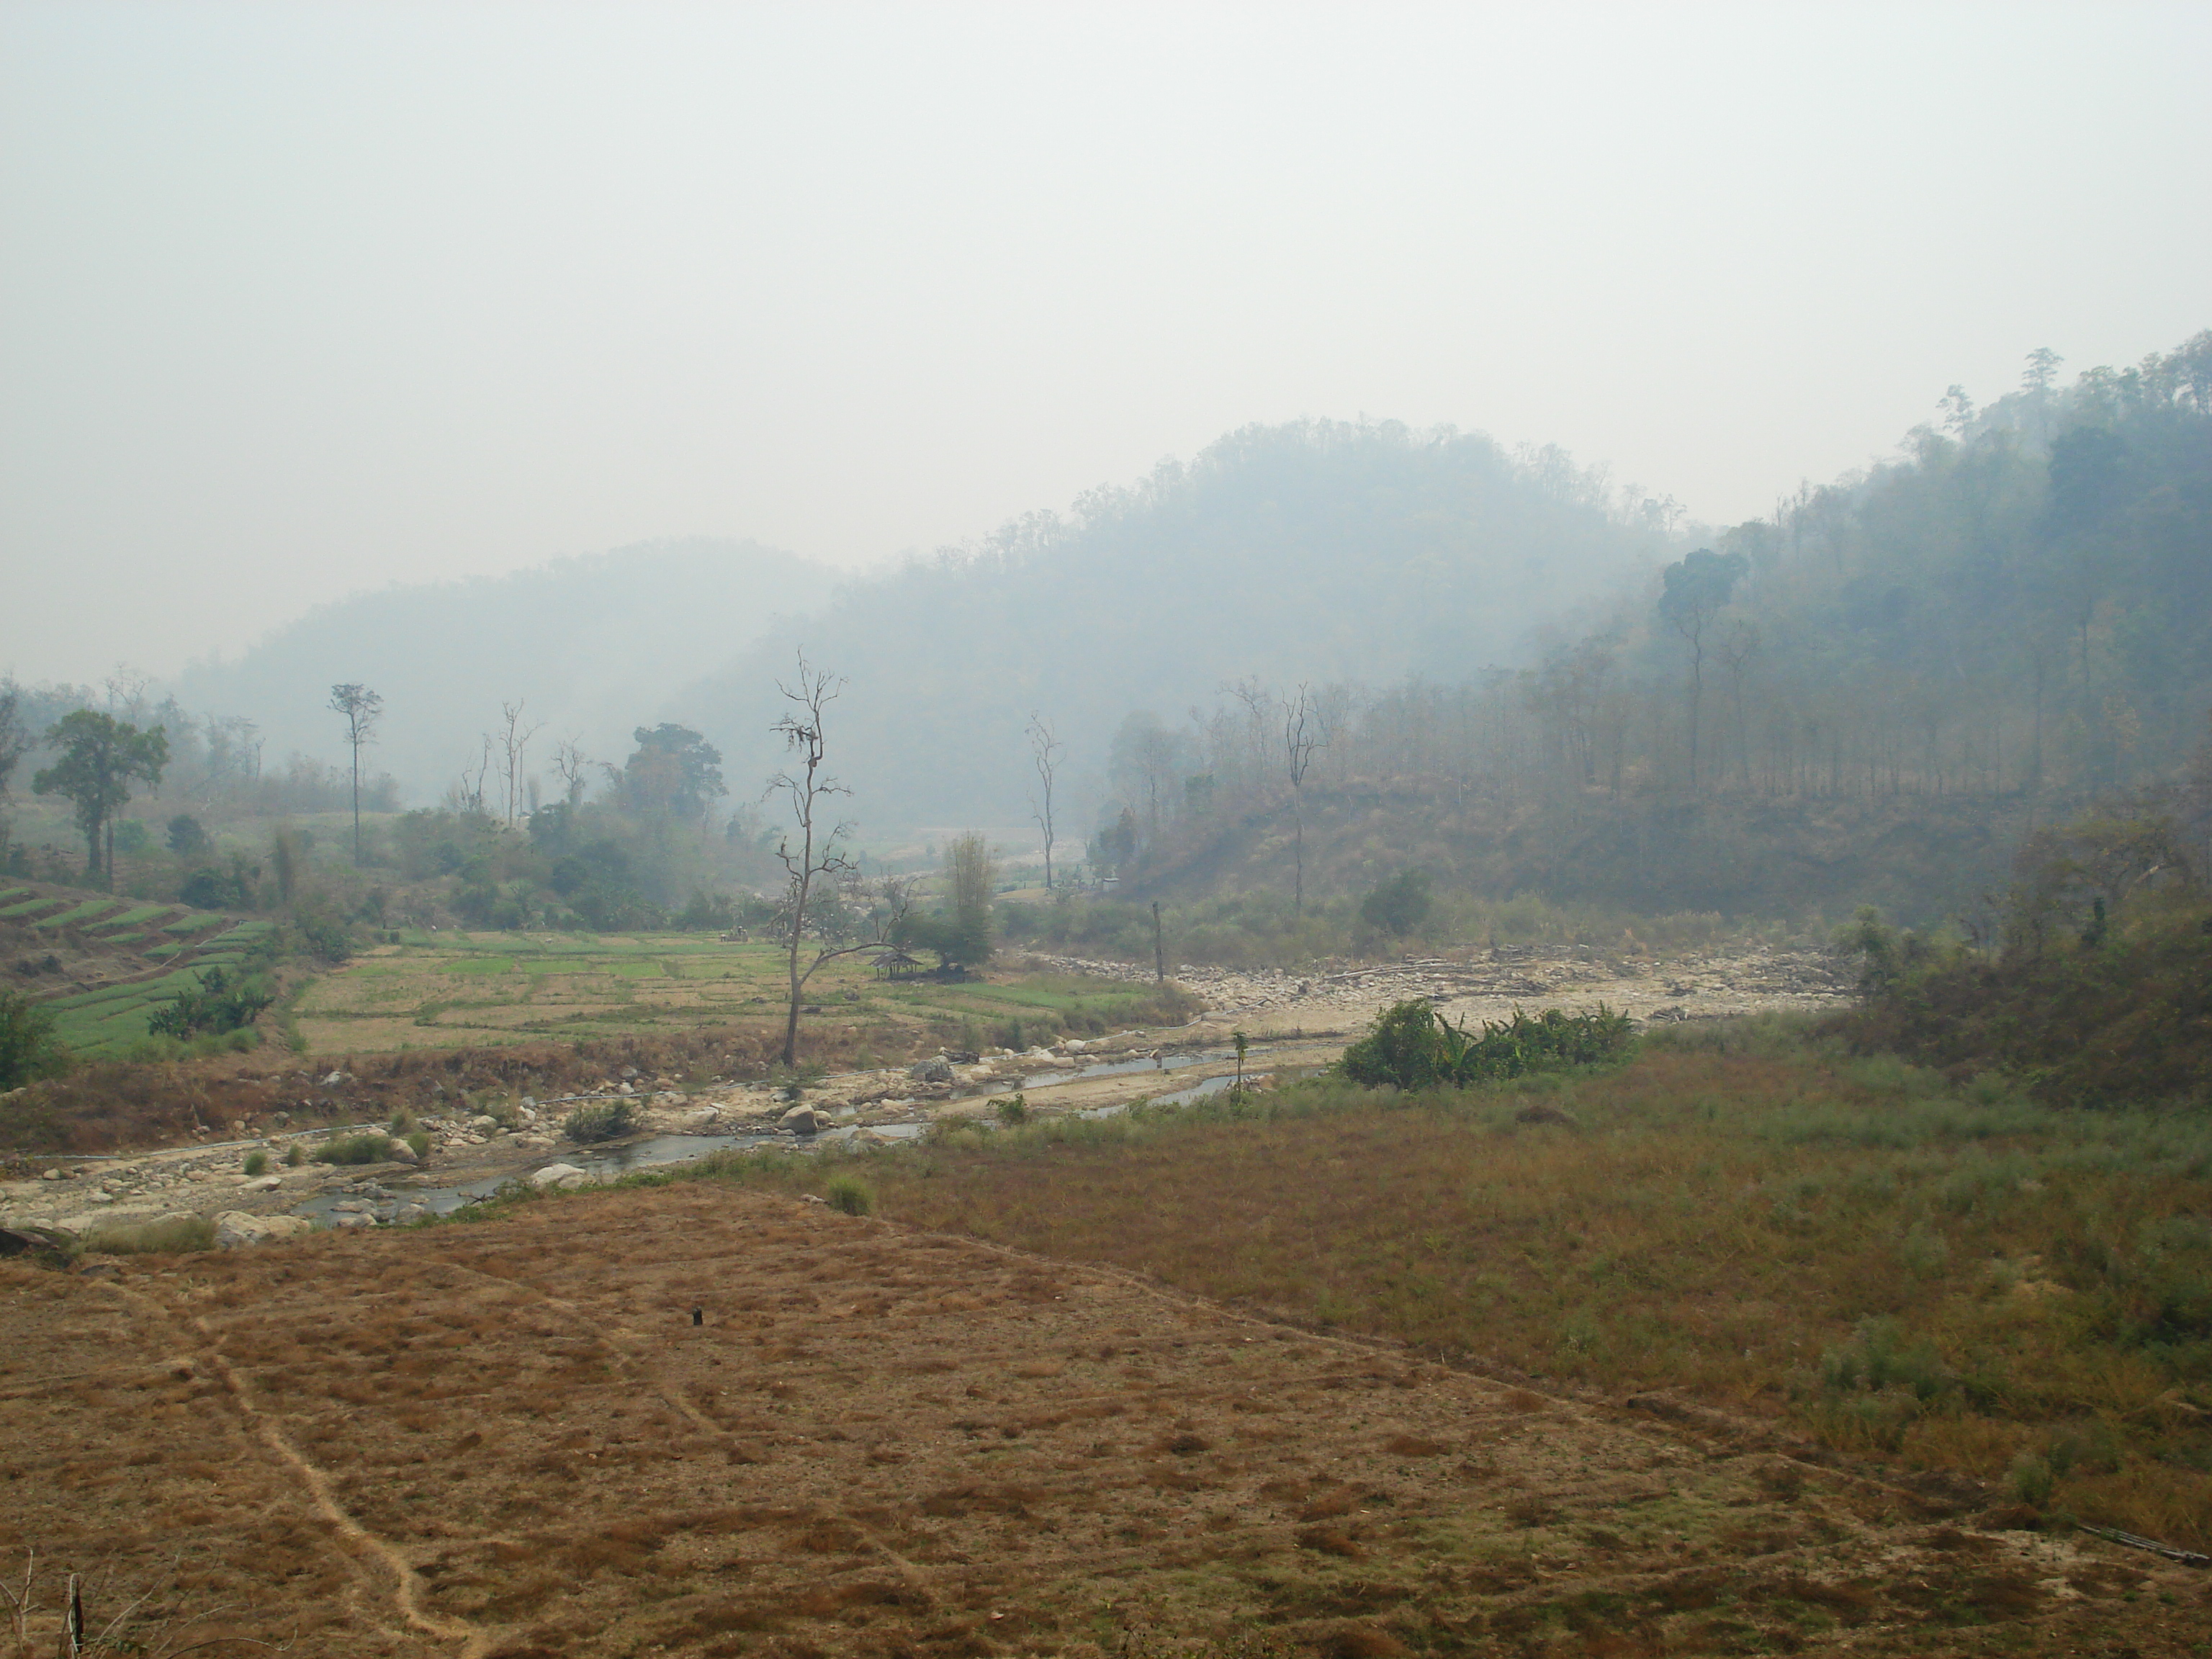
(1159,955)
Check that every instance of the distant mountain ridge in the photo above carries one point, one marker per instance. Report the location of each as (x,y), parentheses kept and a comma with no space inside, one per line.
(1312,551)
(591,645)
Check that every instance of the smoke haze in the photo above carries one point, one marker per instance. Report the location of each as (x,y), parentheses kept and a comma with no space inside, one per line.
(296,301)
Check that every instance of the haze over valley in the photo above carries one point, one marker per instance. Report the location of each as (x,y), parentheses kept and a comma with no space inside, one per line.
(863,832)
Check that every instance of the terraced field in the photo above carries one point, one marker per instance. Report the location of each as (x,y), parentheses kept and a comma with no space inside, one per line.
(125,959)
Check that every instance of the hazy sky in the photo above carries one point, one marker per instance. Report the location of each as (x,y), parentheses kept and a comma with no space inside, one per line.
(301,298)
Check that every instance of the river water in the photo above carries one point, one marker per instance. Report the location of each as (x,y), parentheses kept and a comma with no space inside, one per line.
(410,1203)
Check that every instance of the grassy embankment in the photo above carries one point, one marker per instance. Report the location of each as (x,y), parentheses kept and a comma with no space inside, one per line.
(498,1015)
(446,990)
(1947,1275)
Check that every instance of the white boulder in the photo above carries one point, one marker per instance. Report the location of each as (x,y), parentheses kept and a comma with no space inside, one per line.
(234,1228)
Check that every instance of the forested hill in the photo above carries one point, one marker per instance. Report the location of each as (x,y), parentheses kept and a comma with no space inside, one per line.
(1313,550)
(591,646)
(1871,693)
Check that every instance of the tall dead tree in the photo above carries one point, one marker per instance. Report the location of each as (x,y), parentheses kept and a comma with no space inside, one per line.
(820,858)
(1302,735)
(361,708)
(1044,751)
(515,742)
(569,761)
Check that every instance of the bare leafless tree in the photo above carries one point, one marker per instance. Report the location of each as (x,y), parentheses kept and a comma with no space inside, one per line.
(467,794)
(126,692)
(515,742)
(569,761)
(1302,735)
(820,858)
(1044,751)
(361,708)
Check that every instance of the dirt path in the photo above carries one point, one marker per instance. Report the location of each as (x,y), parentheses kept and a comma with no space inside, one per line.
(879,1440)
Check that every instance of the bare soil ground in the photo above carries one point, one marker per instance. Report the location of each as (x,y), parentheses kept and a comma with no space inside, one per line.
(510,1437)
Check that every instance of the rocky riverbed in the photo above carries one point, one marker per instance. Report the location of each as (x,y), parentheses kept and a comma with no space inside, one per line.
(1294,1020)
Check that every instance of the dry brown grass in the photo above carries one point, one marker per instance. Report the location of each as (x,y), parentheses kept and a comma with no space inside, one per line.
(1845,1246)
(839,1463)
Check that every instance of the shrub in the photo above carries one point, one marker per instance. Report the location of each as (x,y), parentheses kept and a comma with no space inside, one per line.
(28,1047)
(603,1119)
(372,1146)
(257,1164)
(186,838)
(1400,906)
(1413,1047)
(323,932)
(402,1122)
(218,1006)
(2032,1479)
(294,1156)
(1012,1109)
(849,1194)
(175,1233)
(419,1143)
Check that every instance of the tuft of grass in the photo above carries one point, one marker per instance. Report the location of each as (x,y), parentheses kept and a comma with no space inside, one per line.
(850,1195)
(1012,1109)
(419,1143)
(370,1146)
(606,1120)
(166,1238)
(257,1164)
(294,1156)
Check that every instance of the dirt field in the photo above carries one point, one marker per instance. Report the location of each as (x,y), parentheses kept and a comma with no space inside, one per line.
(510,1437)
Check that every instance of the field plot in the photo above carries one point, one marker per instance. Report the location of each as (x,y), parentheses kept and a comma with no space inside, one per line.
(117,962)
(467,989)
(510,1438)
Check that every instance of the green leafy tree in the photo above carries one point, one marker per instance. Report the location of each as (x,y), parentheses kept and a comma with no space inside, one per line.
(14,736)
(102,757)
(28,1047)
(1697,590)
(961,936)
(674,773)
(187,839)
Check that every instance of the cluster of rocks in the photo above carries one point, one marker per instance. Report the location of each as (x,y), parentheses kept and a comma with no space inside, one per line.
(1693,985)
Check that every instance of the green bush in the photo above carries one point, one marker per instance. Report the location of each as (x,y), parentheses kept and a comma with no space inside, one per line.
(1400,906)
(294,1156)
(1412,1046)
(257,1164)
(2032,1479)
(217,1006)
(372,1146)
(849,1194)
(28,1047)
(603,1119)
(419,1143)
(1012,1109)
